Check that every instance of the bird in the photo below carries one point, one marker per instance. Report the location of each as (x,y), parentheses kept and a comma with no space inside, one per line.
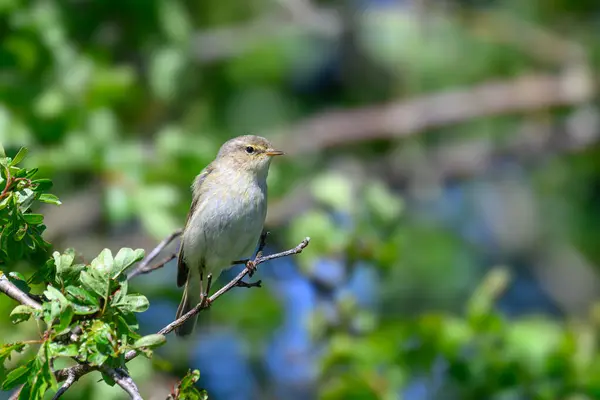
(226,218)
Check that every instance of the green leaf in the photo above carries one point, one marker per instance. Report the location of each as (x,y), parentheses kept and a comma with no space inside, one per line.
(20,233)
(150,341)
(124,259)
(33,219)
(134,303)
(65,318)
(25,198)
(5,201)
(186,389)
(82,296)
(18,375)
(50,198)
(52,293)
(58,307)
(21,313)
(19,281)
(5,354)
(98,283)
(63,350)
(42,184)
(7,349)
(63,262)
(120,293)
(82,301)
(104,262)
(19,157)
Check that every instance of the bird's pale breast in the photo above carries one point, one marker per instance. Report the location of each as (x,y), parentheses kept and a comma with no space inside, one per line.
(227,223)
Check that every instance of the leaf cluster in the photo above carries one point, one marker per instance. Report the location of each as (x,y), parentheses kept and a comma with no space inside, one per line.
(86,313)
(20,229)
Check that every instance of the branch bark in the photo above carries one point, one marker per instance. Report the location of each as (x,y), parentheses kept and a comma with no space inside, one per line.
(12,291)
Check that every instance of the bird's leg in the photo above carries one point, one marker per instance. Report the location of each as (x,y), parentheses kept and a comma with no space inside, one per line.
(206,302)
(251,267)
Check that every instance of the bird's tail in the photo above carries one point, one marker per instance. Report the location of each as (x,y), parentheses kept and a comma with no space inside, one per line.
(191,297)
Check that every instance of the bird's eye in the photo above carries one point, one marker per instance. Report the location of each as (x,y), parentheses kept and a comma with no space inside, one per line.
(249,149)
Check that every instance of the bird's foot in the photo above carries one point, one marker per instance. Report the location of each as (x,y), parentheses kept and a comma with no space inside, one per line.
(251,267)
(249,285)
(206,301)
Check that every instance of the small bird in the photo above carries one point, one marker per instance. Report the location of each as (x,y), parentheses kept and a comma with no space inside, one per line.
(226,217)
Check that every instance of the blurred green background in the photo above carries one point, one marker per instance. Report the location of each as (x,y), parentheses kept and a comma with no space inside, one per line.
(442,155)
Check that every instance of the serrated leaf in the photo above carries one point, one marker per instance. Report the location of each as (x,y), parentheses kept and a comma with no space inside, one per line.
(50,198)
(150,341)
(19,156)
(21,313)
(134,303)
(124,259)
(104,262)
(33,219)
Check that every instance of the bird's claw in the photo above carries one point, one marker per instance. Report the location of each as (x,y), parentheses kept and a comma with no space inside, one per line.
(206,301)
(251,267)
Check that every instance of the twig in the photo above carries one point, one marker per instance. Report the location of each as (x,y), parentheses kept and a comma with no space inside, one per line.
(12,291)
(122,378)
(71,378)
(143,266)
(151,268)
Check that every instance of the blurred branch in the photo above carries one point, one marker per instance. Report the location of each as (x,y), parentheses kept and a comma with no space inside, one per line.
(144,266)
(12,291)
(402,119)
(77,371)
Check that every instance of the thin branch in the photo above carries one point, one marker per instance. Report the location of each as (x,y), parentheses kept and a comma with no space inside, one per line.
(527,93)
(143,267)
(151,268)
(82,369)
(71,378)
(122,378)
(12,291)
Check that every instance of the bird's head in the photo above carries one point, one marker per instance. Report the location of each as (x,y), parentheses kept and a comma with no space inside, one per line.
(248,153)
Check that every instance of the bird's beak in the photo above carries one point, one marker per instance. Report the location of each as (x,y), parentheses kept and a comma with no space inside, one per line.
(272,152)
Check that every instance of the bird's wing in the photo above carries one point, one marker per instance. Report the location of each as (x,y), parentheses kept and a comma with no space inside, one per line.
(182,268)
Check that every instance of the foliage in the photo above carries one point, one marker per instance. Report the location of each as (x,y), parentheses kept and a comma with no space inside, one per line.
(21,235)
(87,311)
(186,390)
